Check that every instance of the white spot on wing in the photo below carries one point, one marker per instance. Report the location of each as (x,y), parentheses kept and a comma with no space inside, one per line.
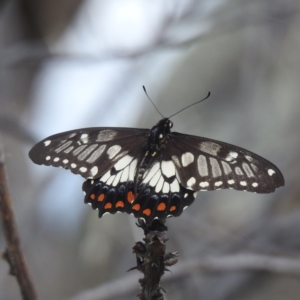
(191,181)
(56,159)
(48,157)
(215,167)
(65,161)
(159,185)
(204,184)
(187,158)
(230,181)
(113,151)
(155,179)
(231,156)
(125,173)
(73,165)
(248,170)
(271,172)
(84,138)
(254,167)
(94,171)
(63,146)
(238,171)
(87,151)
(254,184)
(218,183)
(202,165)
(69,149)
(95,155)
(174,186)
(79,149)
(226,167)
(210,148)
(166,188)
(249,158)
(106,135)
(123,162)
(83,169)
(243,183)
(47,143)
(168,168)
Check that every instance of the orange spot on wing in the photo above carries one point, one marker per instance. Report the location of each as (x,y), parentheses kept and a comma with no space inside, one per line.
(130,196)
(161,206)
(136,207)
(93,196)
(101,197)
(107,205)
(120,204)
(147,212)
(172,208)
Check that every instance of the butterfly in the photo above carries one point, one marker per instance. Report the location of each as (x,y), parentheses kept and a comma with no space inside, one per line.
(153,173)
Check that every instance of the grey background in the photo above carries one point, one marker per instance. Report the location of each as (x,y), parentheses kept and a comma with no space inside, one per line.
(71,64)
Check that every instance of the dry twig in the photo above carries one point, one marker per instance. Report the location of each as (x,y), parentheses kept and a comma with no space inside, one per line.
(13,254)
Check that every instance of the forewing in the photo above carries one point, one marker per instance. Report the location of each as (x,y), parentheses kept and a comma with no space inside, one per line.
(205,164)
(89,152)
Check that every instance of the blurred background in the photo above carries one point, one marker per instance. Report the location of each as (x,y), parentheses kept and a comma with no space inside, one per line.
(71,64)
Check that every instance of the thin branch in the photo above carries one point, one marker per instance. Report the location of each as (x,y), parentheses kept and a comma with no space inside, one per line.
(152,259)
(13,254)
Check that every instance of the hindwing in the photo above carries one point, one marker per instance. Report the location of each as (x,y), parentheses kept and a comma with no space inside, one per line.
(157,194)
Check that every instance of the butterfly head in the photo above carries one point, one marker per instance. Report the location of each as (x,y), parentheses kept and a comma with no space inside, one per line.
(164,127)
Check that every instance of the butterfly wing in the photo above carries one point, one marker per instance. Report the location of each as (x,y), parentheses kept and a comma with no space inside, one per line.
(89,152)
(111,159)
(205,164)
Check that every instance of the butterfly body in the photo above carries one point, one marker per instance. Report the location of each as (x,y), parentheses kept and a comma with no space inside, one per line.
(153,173)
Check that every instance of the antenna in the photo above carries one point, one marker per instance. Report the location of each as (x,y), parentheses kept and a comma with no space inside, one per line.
(152,101)
(190,105)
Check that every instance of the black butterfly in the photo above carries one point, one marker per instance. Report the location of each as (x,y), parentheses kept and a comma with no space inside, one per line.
(153,173)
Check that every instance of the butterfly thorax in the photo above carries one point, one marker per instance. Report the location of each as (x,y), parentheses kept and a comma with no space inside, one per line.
(158,136)
(156,141)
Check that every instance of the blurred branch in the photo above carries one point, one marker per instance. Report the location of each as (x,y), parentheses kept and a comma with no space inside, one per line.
(225,263)
(13,254)
(36,51)
(241,262)
(12,126)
